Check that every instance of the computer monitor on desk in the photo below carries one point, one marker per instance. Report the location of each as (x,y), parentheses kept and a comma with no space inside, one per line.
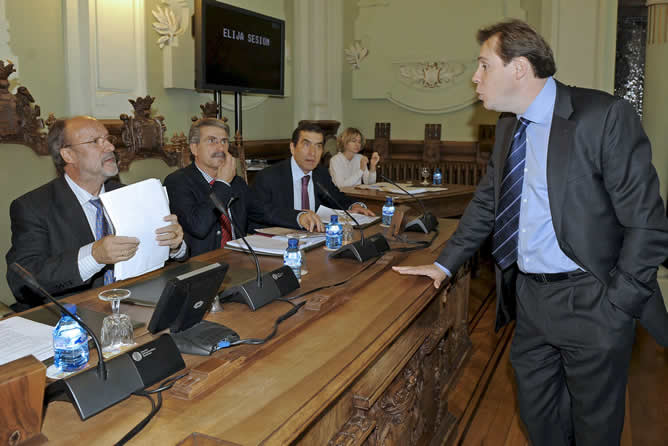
(182,306)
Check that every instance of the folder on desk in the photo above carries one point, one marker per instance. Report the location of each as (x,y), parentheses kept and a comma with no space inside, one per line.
(274,246)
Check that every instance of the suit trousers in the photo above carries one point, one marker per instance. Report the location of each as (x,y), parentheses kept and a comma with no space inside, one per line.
(570,353)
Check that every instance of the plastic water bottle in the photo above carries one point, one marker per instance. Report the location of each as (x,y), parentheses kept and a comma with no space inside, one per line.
(438,178)
(388,211)
(292,257)
(70,343)
(334,233)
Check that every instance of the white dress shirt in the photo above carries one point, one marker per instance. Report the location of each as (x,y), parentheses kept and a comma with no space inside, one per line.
(346,173)
(297,175)
(87,264)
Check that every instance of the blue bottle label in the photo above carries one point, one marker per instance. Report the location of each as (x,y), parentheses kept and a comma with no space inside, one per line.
(334,236)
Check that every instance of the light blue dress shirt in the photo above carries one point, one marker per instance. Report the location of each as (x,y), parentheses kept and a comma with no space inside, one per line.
(538,250)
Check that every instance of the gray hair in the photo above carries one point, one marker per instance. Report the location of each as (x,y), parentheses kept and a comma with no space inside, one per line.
(56,141)
(193,135)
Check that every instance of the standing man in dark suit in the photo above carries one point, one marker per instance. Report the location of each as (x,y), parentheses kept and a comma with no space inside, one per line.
(286,190)
(578,229)
(60,232)
(212,170)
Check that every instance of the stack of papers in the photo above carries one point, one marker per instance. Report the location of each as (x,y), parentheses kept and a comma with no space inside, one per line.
(21,337)
(325,213)
(274,246)
(138,210)
(392,189)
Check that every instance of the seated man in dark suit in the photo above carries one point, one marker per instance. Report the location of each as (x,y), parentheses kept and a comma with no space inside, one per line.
(212,170)
(286,190)
(60,232)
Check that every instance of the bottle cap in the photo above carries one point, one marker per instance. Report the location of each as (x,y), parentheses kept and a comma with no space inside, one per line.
(334,219)
(292,243)
(72,308)
(388,200)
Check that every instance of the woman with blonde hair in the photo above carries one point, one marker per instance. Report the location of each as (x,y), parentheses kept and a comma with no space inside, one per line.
(349,167)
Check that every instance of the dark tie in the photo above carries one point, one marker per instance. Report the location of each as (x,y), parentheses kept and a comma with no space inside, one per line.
(305,200)
(506,224)
(225,227)
(101,231)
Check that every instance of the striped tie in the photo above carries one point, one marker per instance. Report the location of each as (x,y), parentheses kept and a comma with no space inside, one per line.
(506,225)
(102,230)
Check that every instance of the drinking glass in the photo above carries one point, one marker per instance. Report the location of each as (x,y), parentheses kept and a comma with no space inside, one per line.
(304,269)
(117,331)
(347,234)
(424,172)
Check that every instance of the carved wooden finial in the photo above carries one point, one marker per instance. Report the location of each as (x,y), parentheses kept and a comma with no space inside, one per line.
(6,70)
(142,106)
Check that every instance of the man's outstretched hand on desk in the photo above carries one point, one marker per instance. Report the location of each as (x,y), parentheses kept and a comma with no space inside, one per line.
(432,271)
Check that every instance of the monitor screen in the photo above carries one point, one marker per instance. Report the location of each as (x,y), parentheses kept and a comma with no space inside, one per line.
(186,298)
(237,49)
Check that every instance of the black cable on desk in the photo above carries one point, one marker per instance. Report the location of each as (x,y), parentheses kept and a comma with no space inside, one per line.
(165,385)
(356,273)
(422,243)
(257,341)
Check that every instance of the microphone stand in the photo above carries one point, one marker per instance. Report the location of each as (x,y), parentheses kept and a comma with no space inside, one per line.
(30,280)
(426,222)
(219,206)
(265,288)
(361,250)
(92,391)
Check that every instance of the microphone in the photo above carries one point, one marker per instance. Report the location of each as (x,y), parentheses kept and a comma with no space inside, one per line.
(361,250)
(219,206)
(265,288)
(32,283)
(93,390)
(426,222)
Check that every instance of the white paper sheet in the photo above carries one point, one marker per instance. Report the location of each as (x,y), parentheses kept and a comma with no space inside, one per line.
(391,188)
(325,213)
(138,210)
(273,246)
(21,337)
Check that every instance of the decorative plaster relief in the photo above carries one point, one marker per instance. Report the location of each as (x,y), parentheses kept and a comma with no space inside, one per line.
(431,74)
(356,54)
(168,25)
(422,58)
(372,3)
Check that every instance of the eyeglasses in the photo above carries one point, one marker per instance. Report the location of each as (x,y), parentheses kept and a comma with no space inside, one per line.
(213,141)
(100,140)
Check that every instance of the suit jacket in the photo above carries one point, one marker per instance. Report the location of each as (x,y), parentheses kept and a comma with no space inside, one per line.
(604,199)
(273,191)
(189,199)
(48,228)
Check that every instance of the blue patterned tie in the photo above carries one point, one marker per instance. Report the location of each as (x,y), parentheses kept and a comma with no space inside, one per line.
(506,225)
(102,230)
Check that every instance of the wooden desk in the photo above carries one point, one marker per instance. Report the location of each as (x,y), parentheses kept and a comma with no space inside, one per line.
(451,201)
(372,360)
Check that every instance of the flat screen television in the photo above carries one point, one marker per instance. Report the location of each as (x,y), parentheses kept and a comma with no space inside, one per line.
(237,50)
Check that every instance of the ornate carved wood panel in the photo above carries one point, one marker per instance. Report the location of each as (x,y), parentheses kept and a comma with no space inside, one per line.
(20,120)
(432,140)
(412,409)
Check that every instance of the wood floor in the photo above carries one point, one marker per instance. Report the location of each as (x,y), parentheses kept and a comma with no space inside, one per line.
(485,397)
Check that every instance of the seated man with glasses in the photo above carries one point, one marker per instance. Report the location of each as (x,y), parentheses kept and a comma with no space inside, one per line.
(60,232)
(213,170)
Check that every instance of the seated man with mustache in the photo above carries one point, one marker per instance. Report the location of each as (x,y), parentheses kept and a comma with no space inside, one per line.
(213,170)
(286,191)
(60,231)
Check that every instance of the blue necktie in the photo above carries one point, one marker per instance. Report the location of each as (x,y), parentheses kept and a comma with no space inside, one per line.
(102,230)
(506,224)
